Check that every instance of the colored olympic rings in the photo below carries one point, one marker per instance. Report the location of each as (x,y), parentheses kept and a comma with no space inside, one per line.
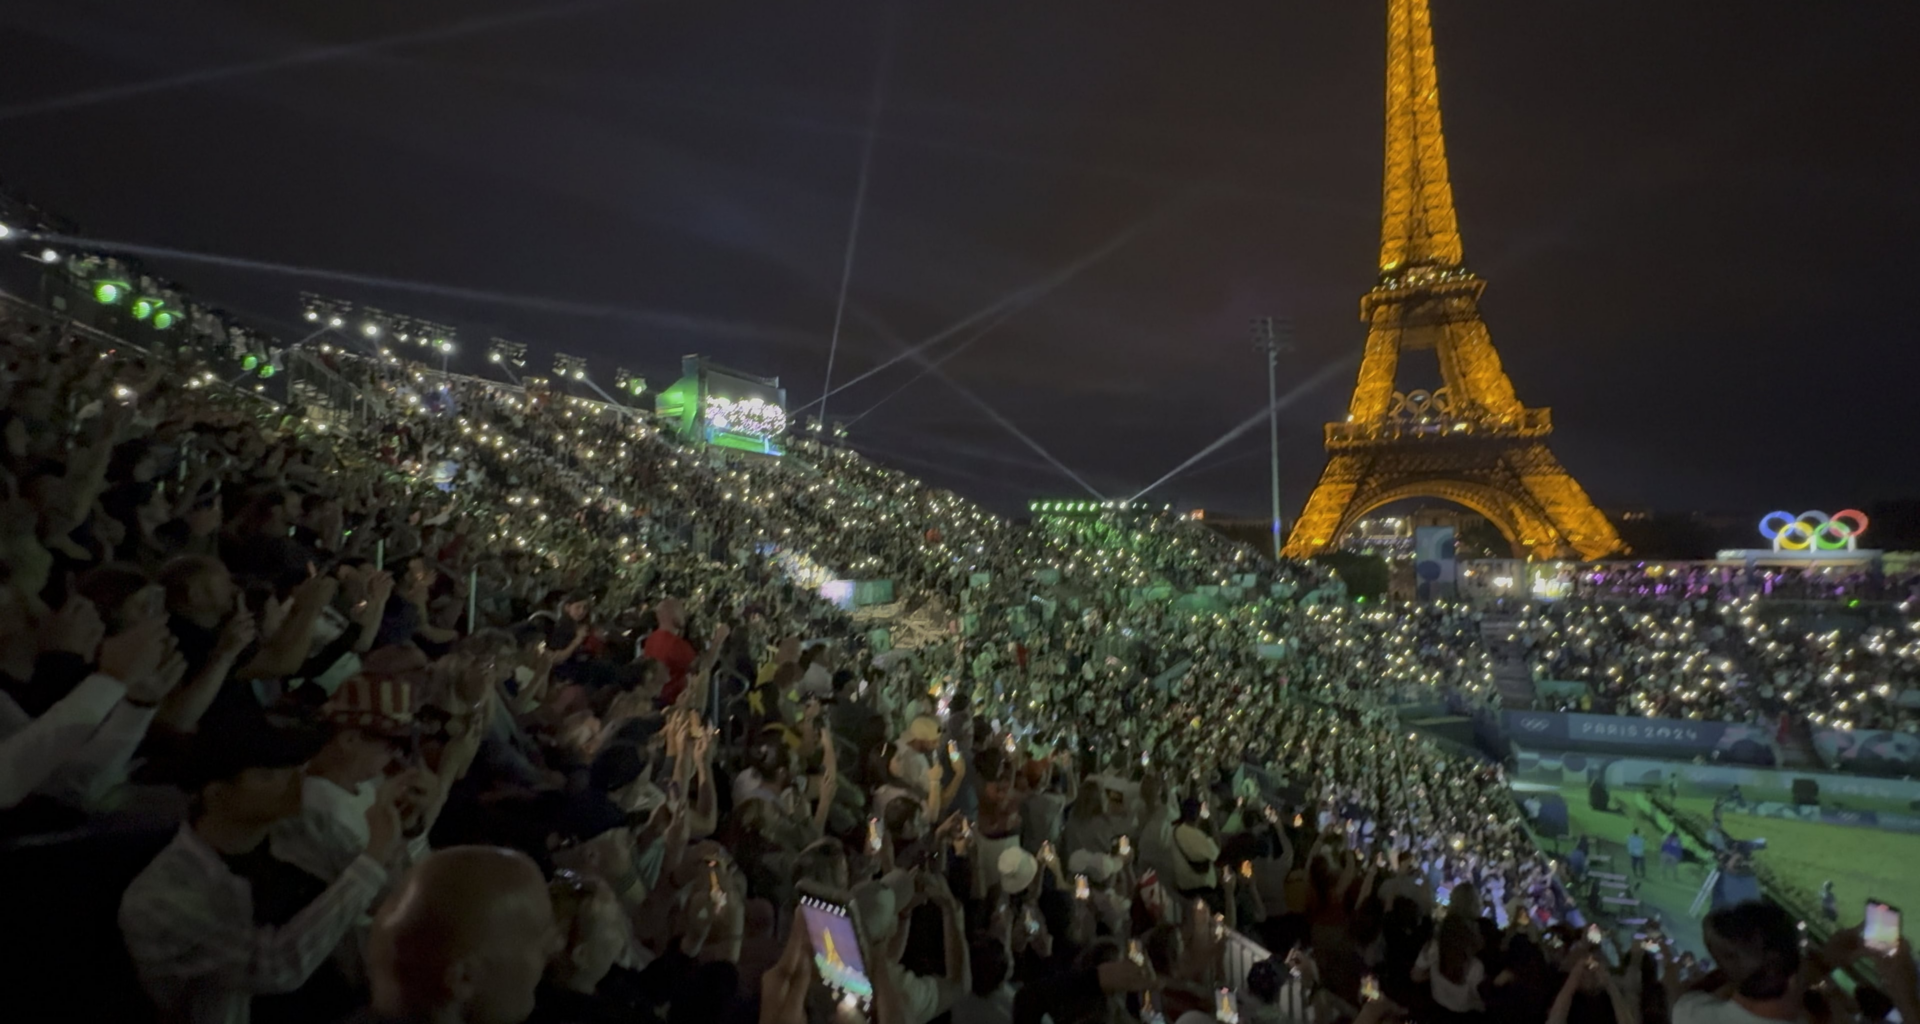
(1813,530)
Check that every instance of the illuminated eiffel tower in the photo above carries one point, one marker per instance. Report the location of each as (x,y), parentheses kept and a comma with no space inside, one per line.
(1468,441)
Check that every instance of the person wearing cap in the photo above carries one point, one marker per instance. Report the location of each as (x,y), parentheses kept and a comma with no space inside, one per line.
(218,919)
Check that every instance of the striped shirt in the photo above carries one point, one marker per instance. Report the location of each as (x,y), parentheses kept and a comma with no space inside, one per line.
(188,924)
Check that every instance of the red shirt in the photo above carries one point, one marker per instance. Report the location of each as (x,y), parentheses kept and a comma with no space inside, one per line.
(676,653)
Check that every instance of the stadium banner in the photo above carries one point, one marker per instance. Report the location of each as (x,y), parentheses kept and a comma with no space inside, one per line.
(1872,751)
(1686,779)
(1657,737)
(1884,821)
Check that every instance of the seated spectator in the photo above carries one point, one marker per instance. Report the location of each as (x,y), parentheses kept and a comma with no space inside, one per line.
(465,937)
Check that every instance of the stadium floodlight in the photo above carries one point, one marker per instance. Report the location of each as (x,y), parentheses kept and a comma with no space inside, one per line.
(163,319)
(107,293)
(507,353)
(49,256)
(318,309)
(5,231)
(628,381)
(144,307)
(569,367)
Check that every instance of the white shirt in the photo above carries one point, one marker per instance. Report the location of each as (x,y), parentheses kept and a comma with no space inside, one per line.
(77,750)
(1462,997)
(910,769)
(348,807)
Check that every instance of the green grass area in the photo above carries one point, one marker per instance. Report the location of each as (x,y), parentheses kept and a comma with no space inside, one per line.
(1861,862)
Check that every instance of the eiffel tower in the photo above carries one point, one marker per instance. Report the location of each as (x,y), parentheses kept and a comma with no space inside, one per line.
(1468,441)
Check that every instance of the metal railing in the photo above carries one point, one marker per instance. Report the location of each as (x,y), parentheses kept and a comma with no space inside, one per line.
(1530,423)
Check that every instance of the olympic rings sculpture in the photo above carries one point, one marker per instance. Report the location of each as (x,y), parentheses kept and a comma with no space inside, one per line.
(1813,530)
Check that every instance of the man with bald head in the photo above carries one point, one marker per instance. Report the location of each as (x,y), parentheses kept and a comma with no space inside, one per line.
(462,941)
(669,647)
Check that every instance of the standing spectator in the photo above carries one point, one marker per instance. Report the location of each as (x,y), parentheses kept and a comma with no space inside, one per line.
(1757,949)
(1671,852)
(217,919)
(1637,853)
(666,646)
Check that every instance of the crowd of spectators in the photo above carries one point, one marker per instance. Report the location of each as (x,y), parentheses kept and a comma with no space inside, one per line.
(492,704)
(1734,660)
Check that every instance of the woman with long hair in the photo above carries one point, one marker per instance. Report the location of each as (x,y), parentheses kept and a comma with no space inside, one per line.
(1450,965)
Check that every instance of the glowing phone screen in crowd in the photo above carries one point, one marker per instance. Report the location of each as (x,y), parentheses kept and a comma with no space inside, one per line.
(1882,929)
(836,949)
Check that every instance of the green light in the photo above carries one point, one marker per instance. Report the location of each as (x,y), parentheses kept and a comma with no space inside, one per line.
(267,370)
(108,292)
(249,362)
(142,308)
(162,320)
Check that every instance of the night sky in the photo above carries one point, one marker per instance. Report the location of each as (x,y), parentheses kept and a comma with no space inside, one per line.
(1697,219)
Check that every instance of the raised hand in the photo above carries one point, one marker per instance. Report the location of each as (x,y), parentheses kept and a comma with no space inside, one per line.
(239,631)
(383,818)
(153,687)
(136,652)
(76,628)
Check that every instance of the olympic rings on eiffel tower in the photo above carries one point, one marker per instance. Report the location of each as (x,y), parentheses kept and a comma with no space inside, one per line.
(1813,530)
(1415,404)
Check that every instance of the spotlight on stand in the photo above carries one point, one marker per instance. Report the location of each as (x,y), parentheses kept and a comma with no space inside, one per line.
(627,381)
(320,310)
(507,353)
(108,293)
(569,367)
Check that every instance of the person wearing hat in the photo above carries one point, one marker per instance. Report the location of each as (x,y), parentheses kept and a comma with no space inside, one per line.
(915,770)
(1109,889)
(1193,867)
(218,918)
(1017,869)
(372,723)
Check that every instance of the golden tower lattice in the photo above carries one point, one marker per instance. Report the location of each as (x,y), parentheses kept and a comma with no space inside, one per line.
(1468,441)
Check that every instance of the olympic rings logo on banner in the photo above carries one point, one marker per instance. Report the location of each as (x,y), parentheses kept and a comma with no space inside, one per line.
(1813,530)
